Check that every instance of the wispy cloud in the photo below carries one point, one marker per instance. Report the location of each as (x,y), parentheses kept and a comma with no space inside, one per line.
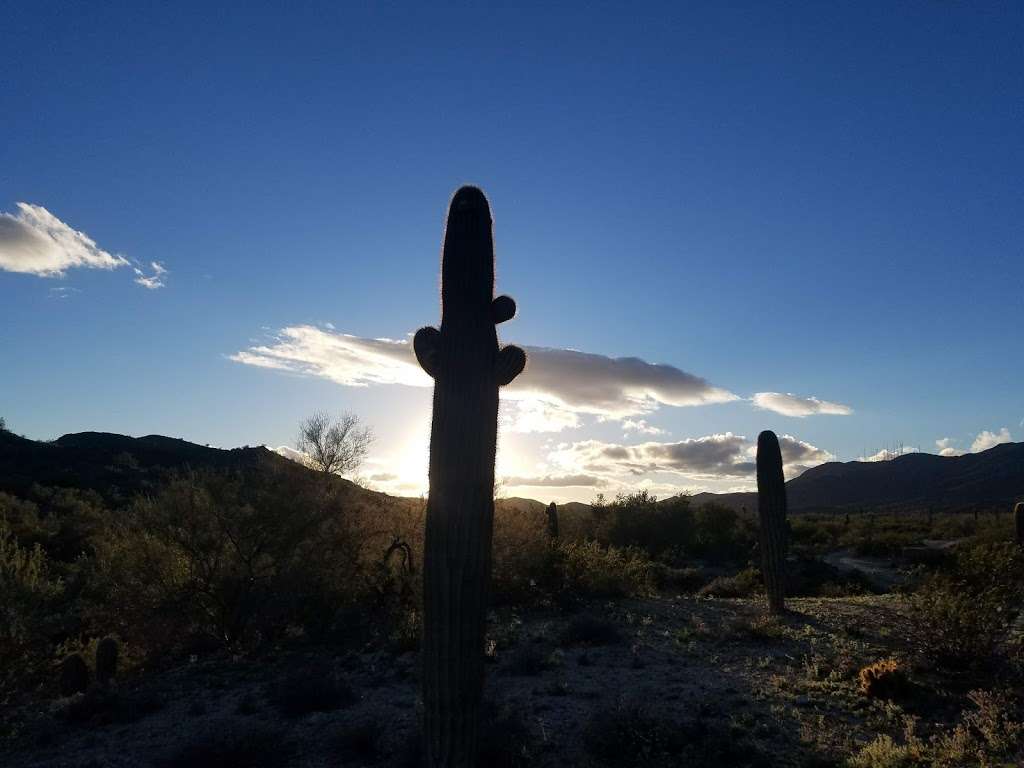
(35,242)
(986,439)
(640,426)
(797,406)
(553,481)
(152,281)
(557,387)
(945,447)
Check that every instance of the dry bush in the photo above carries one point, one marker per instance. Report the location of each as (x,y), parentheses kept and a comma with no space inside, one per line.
(746,583)
(883,679)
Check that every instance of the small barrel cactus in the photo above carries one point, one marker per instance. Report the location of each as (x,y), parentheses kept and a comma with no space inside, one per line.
(74,675)
(468,367)
(552,528)
(771,505)
(1018,521)
(106,660)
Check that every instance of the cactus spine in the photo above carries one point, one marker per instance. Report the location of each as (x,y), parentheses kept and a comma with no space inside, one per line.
(771,506)
(1018,521)
(467,366)
(106,660)
(552,521)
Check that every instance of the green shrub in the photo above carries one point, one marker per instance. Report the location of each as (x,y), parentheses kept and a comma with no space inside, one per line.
(589,569)
(964,613)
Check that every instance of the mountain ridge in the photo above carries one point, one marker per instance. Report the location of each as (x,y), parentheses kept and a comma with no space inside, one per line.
(118,466)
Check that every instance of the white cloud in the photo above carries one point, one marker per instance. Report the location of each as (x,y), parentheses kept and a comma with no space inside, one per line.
(986,440)
(946,448)
(289,453)
(641,426)
(799,407)
(612,387)
(560,384)
(35,242)
(537,416)
(887,454)
(153,281)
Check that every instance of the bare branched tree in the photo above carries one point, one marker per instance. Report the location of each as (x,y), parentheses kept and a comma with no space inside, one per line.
(334,446)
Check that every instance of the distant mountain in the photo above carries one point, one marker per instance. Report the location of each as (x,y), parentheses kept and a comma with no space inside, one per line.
(119,467)
(995,476)
(115,466)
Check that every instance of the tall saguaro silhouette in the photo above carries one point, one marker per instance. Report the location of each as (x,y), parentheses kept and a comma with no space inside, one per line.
(771,508)
(467,366)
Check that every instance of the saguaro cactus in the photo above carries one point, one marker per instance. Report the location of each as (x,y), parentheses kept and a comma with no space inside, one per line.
(771,507)
(1018,521)
(467,366)
(552,513)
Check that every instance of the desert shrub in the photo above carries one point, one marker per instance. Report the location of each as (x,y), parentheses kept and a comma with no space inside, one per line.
(237,556)
(30,607)
(883,679)
(524,561)
(589,569)
(586,629)
(677,580)
(746,583)
(233,745)
(307,691)
(964,613)
(990,733)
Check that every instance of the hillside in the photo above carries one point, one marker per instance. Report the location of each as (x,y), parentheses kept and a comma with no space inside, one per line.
(995,476)
(117,467)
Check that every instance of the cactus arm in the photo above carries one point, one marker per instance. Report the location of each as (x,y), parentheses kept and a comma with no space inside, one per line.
(503,308)
(425,344)
(510,363)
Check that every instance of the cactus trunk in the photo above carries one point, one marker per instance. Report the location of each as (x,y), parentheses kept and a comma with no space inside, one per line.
(1018,521)
(467,365)
(552,521)
(771,505)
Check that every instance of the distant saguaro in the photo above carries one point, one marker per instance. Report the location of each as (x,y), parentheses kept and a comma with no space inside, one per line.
(467,366)
(771,507)
(1018,521)
(552,513)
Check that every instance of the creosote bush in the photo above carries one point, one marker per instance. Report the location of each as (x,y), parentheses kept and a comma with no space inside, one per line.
(963,614)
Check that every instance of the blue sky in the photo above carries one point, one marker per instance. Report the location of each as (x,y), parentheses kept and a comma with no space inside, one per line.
(816,199)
